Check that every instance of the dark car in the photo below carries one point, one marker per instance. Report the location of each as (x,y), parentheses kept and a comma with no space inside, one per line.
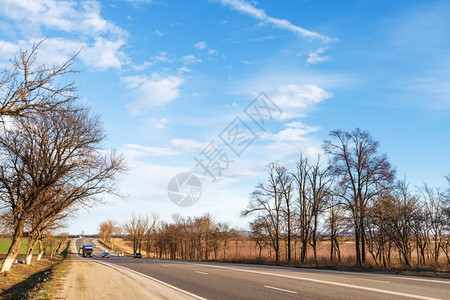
(137,255)
(105,254)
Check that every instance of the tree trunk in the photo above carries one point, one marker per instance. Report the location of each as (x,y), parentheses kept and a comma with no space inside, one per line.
(30,250)
(363,241)
(357,247)
(332,247)
(13,250)
(304,250)
(314,238)
(31,246)
(41,250)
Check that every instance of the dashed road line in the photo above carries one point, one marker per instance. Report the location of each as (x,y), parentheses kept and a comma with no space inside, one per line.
(359,287)
(279,289)
(204,273)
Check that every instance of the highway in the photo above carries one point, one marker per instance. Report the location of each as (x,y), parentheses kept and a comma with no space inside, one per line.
(209,280)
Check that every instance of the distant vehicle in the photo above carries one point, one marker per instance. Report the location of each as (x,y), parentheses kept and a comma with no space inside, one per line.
(88,250)
(120,253)
(105,254)
(137,255)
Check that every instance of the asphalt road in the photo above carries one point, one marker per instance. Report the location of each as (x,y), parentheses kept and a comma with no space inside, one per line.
(240,281)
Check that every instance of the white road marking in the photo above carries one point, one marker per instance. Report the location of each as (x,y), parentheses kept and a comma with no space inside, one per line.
(164,265)
(149,277)
(373,280)
(201,272)
(419,279)
(278,289)
(324,282)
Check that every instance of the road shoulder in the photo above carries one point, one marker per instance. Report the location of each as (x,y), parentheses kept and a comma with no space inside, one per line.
(88,279)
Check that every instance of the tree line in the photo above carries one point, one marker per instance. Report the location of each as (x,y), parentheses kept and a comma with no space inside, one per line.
(197,238)
(354,196)
(52,161)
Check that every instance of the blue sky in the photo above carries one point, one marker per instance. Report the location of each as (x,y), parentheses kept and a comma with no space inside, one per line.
(168,77)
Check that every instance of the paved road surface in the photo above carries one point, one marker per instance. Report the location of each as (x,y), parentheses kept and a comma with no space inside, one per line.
(240,281)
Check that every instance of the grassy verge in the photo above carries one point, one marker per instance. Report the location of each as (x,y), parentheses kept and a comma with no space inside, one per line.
(37,281)
(5,243)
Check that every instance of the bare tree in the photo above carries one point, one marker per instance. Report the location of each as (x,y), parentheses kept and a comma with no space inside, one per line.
(446,221)
(313,185)
(53,160)
(267,201)
(320,184)
(136,228)
(336,223)
(300,175)
(398,214)
(436,205)
(44,219)
(362,175)
(107,229)
(26,89)
(260,230)
(286,187)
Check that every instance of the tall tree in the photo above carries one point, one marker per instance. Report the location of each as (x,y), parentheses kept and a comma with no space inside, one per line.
(302,171)
(53,160)
(267,201)
(313,184)
(286,186)
(320,189)
(362,174)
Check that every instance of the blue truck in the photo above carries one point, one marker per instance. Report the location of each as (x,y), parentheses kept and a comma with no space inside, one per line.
(87,250)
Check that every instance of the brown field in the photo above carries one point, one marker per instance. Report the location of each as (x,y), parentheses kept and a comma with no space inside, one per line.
(248,251)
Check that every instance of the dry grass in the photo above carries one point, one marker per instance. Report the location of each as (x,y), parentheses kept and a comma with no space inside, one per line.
(36,281)
(247,251)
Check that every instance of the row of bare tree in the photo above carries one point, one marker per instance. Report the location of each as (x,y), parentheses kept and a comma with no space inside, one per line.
(198,238)
(354,197)
(52,162)
(355,194)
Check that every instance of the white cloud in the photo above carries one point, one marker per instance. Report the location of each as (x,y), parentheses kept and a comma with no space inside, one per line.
(152,92)
(184,69)
(68,16)
(314,57)
(299,96)
(295,132)
(212,51)
(247,8)
(159,33)
(104,54)
(80,21)
(138,3)
(187,145)
(162,57)
(161,123)
(135,151)
(7,50)
(175,147)
(201,45)
(190,59)
(134,81)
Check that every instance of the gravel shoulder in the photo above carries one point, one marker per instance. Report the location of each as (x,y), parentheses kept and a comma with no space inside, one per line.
(88,279)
